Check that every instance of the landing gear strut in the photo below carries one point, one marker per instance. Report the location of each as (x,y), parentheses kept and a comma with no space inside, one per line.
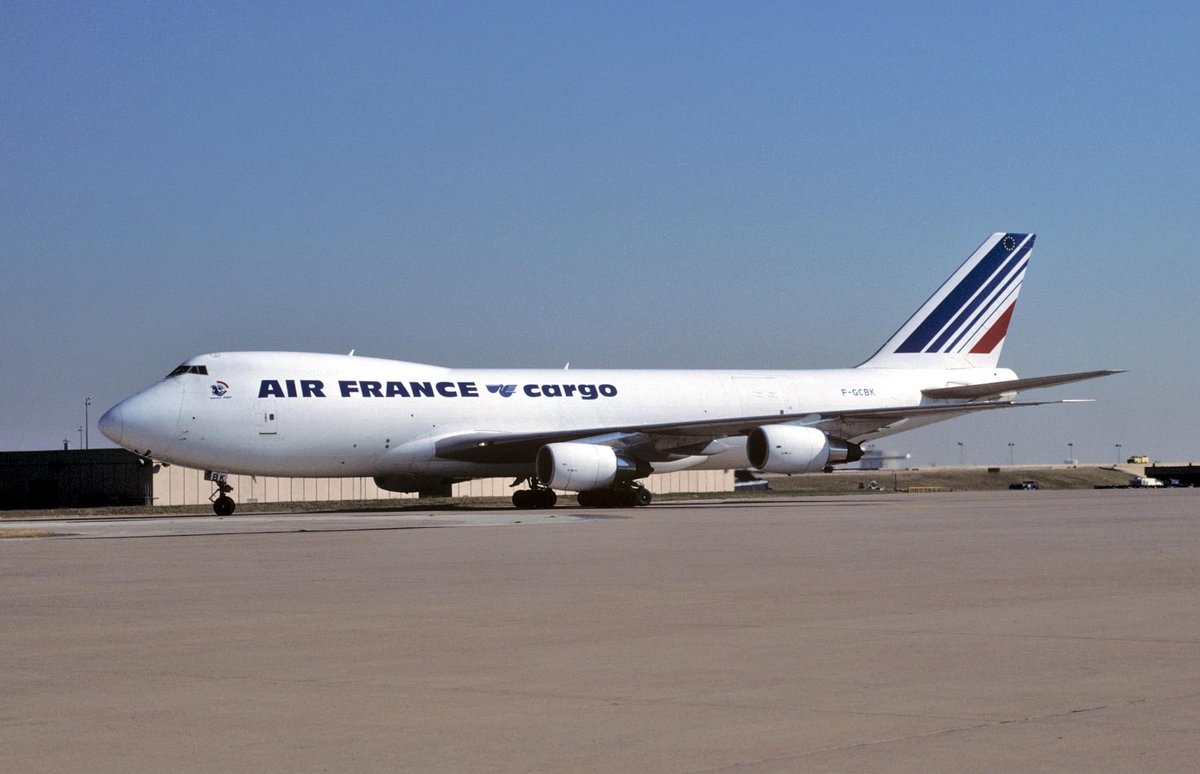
(537,496)
(222,503)
(628,495)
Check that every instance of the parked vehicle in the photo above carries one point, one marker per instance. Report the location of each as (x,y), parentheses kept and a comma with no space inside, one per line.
(1025,485)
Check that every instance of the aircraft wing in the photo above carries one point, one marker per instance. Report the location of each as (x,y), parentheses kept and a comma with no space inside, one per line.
(656,442)
(996,389)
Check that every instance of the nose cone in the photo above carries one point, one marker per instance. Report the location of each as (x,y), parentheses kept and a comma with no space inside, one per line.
(147,422)
(112,424)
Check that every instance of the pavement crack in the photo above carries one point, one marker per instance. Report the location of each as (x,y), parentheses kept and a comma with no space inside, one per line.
(925,735)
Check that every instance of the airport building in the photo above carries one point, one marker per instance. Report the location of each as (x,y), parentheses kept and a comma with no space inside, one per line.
(114,477)
(1175,475)
(73,479)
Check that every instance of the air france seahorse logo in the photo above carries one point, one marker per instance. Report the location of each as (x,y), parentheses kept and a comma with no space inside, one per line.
(220,389)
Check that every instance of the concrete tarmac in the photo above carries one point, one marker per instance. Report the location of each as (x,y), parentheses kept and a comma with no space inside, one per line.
(1005,631)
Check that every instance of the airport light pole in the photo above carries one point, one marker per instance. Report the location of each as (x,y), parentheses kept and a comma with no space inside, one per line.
(1071,454)
(1118,454)
(87,404)
(80,436)
(962,454)
(1010,452)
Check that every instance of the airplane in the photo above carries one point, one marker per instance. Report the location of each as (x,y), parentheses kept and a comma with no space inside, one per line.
(415,427)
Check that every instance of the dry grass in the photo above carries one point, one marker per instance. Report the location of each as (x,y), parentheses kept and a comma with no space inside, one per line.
(808,484)
(952,479)
(26,533)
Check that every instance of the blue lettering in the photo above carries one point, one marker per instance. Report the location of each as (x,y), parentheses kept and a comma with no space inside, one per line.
(584,391)
(315,388)
(269,388)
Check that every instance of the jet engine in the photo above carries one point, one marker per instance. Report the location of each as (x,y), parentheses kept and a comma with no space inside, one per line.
(794,449)
(578,467)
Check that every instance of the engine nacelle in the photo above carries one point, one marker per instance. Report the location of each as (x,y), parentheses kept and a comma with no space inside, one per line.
(795,449)
(578,467)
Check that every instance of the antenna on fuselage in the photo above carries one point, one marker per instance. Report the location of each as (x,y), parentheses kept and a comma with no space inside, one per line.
(350,353)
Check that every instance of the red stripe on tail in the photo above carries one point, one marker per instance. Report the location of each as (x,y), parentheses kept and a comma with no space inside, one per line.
(995,334)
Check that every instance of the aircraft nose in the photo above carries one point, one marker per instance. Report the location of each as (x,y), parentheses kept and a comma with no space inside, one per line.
(112,423)
(148,421)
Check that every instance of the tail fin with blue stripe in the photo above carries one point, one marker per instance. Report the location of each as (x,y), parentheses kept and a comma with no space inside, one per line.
(964,323)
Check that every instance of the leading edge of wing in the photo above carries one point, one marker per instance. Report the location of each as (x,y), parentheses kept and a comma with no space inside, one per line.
(510,448)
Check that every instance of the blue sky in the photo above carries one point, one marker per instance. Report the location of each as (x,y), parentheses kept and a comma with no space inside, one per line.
(741,185)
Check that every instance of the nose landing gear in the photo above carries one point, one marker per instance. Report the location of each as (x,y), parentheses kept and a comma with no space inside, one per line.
(222,503)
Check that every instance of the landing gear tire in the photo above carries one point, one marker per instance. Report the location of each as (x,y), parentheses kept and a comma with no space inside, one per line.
(620,497)
(598,498)
(534,498)
(224,506)
(222,503)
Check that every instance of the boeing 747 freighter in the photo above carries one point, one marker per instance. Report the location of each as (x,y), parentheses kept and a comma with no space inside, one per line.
(597,433)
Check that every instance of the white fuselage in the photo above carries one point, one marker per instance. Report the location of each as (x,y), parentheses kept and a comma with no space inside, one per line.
(295,414)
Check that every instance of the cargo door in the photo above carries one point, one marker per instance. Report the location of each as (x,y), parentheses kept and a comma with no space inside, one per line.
(761,395)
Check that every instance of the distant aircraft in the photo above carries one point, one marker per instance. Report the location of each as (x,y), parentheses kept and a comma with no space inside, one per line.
(416,427)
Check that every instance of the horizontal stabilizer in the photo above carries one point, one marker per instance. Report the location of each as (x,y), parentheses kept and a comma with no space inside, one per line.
(994,389)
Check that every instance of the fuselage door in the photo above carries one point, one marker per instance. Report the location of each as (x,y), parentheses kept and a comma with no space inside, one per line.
(763,394)
(267,419)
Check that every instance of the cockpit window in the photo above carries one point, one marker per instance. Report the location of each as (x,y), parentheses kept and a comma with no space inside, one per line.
(189,369)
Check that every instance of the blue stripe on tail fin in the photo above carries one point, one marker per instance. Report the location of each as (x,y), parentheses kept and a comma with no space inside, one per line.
(964,323)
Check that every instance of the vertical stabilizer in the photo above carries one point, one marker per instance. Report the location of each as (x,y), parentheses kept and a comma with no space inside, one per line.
(964,323)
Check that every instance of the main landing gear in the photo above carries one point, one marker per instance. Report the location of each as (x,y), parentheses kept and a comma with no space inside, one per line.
(222,503)
(628,495)
(536,496)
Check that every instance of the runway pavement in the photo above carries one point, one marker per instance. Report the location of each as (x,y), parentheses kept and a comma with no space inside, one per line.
(1007,631)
